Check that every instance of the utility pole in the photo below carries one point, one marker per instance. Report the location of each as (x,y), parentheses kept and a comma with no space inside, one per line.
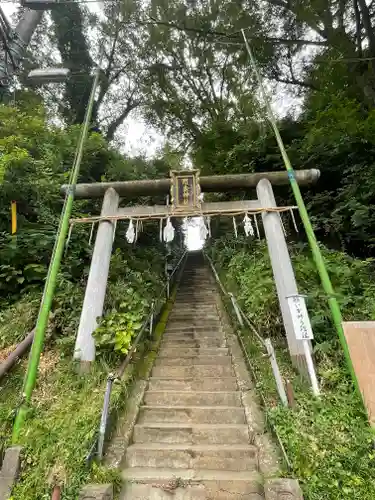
(15,42)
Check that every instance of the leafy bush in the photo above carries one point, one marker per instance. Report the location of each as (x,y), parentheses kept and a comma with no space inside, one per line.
(249,268)
(328,441)
(129,298)
(118,328)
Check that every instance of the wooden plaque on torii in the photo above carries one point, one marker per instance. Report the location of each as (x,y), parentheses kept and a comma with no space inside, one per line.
(185,191)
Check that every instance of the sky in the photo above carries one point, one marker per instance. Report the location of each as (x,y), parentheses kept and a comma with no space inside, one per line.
(135,136)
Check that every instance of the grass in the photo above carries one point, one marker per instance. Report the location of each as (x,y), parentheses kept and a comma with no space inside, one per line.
(62,425)
(18,319)
(64,419)
(60,428)
(65,412)
(328,441)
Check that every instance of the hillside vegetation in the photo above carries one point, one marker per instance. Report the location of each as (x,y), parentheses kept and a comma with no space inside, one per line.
(180,70)
(328,441)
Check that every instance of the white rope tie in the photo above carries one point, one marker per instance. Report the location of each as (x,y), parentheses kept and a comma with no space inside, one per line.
(294,220)
(91,233)
(235,227)
(256,226)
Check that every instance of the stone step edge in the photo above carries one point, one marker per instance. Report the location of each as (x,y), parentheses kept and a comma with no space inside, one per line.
(190,356)
(253,450)
(151,474)
(173,392)
(202,351)
(187,379)
(188,407)
(180,426)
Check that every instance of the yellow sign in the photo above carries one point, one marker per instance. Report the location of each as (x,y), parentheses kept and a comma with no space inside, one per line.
(14,217)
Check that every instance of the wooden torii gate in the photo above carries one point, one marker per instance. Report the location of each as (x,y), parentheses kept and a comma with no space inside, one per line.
(265,203)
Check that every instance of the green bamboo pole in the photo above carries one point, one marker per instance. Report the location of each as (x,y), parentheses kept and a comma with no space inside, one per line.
(49,288)
(318,258)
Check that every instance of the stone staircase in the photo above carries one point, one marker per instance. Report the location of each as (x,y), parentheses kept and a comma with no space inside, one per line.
(199,432)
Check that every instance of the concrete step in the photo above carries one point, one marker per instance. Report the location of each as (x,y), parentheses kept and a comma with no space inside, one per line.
(211,304)
(193,360)
(194,351)
(187,306)
(194,321)
(162,484)
(193,311)
(189,328)
(192,398)
(180,456)
(191,434)
(193,343)
(181,302)
(203,335)
(211,329)
(192,414)
(203,295)
(188,280)
(194,289)
(193,324)
(193,384)
(206,315)
(192,371)
(193,327)
(194,305)
(194,333)
(195,337)
(170,490)
(194,282)
(161,475)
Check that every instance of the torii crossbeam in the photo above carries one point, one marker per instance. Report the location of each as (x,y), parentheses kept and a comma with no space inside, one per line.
(265,203)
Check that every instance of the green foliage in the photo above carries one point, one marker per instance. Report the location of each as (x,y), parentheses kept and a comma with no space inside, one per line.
(18,319)
(66,407)
(129,298)
(33,180)
(61,428)
(248,268)
(328,441)
(100,474)
(118,328)
(329,444)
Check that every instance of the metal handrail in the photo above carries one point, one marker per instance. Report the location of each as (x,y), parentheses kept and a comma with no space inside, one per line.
(112,377)
(270,354)
(237,309)
(266,343)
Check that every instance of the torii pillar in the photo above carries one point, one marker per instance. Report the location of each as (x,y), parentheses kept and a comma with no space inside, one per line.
(97,281)
(282,268)
(98,276)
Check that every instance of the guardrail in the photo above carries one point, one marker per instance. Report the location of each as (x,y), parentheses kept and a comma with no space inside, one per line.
(266,343)
(148,324)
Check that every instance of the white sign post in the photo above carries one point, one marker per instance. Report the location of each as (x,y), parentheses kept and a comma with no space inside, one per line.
(303,332)
(300,317)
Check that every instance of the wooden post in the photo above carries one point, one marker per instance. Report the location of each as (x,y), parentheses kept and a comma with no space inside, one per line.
(290,394)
